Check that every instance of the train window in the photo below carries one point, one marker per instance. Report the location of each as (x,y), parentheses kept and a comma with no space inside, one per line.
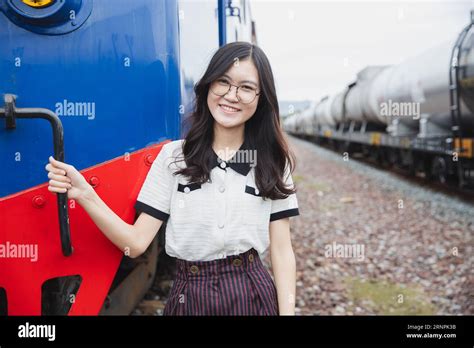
(58,294)
(3,302)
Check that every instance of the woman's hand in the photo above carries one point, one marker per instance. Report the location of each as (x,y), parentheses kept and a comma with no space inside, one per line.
(65,178)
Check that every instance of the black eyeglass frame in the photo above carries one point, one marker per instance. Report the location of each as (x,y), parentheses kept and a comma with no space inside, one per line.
(236,91)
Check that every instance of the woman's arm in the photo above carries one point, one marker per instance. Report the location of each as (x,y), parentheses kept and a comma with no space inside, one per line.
(283,265)
(133,240)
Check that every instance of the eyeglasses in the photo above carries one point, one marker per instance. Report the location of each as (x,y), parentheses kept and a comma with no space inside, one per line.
(245,93)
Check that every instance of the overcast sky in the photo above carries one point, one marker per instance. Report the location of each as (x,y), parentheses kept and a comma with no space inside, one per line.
(317,47)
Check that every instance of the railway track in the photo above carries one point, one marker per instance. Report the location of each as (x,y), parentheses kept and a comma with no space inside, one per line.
(407,252)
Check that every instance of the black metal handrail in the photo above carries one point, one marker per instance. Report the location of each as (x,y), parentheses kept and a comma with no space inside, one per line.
(11,113)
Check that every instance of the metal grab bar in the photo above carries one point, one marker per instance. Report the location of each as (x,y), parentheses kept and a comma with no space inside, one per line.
(11,113)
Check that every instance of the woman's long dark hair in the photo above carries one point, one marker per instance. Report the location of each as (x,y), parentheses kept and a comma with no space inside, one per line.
(262,131)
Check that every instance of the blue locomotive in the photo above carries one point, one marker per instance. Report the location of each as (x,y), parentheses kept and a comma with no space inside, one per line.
(101,84)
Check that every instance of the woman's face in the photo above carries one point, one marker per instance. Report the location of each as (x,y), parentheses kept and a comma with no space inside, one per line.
(227,110)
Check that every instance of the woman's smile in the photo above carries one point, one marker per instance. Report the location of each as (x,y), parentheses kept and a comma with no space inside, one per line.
(228,109)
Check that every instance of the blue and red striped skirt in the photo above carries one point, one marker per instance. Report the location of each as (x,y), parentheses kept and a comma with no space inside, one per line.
(236,285)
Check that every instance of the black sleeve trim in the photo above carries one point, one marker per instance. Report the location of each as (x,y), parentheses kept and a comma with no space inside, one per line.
(284,214)
(142,207)
(251,190)
(191,187)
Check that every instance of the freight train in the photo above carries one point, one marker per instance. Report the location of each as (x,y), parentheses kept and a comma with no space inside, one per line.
(417,115)
(103,85)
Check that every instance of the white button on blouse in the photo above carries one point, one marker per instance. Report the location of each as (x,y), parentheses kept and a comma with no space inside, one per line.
(223,217)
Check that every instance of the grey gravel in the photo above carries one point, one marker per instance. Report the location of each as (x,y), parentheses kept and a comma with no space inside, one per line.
(414,238)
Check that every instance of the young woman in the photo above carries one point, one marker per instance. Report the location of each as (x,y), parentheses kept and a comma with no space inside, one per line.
(225,191)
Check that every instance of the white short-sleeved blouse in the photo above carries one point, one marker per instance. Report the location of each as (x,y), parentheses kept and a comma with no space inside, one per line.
(225,216)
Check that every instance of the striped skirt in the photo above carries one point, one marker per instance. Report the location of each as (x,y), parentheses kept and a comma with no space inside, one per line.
(236,285)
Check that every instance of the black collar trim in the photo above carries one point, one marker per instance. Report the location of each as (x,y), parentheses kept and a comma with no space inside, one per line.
(242,168)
